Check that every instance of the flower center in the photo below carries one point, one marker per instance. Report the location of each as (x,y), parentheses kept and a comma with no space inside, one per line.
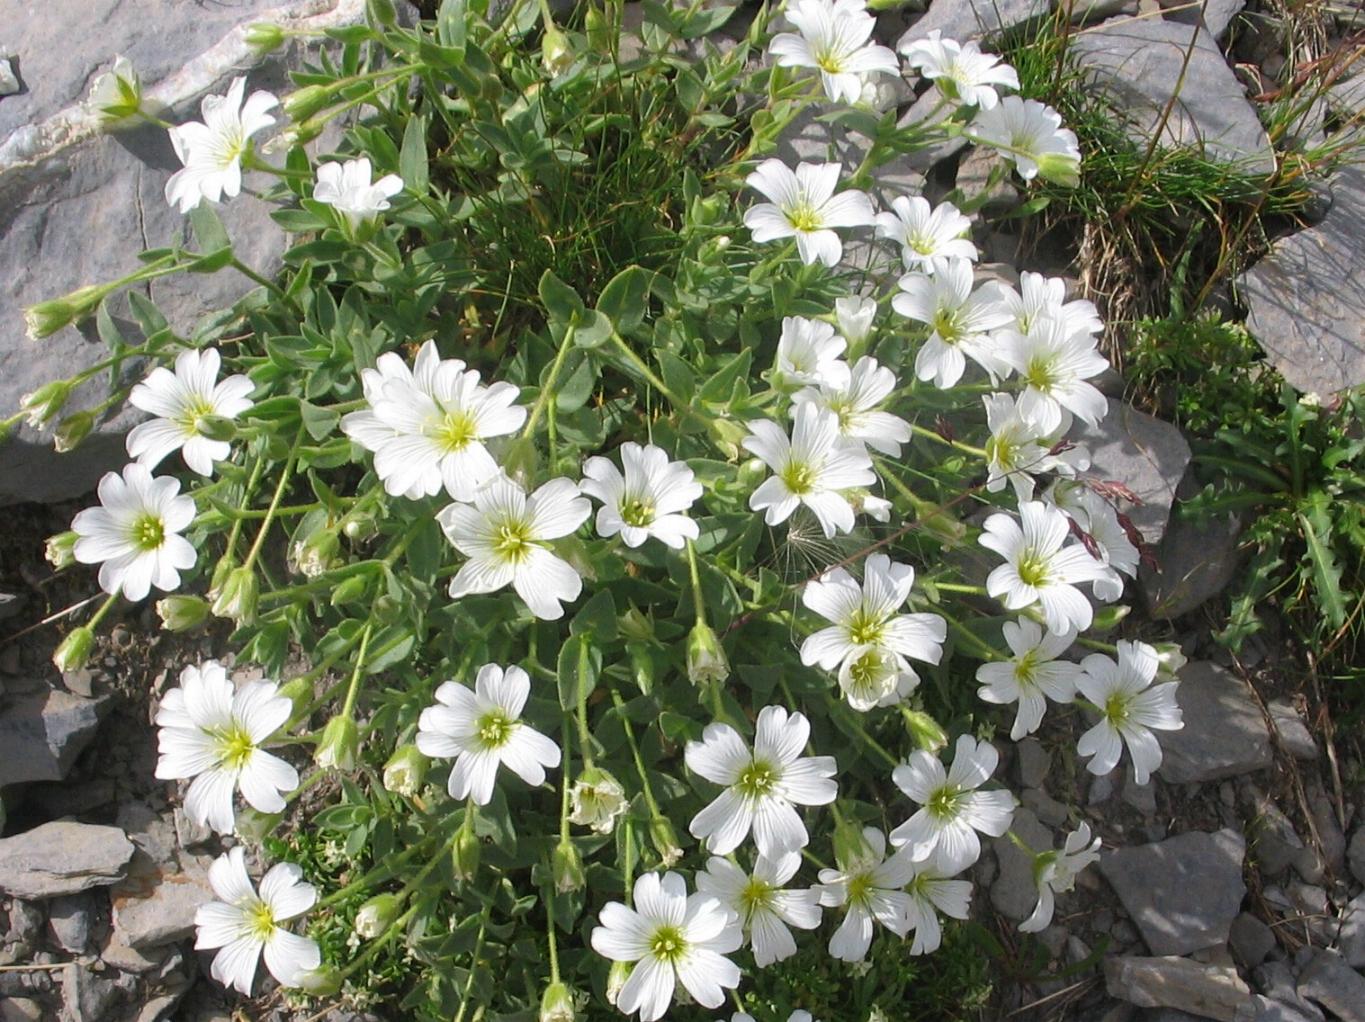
(758,779)
(799,477)
(668,944)
(945,324)
(943,801)
(1041,372)
(865,672)
(1024,668)
(1116,708)
(804,217)
(865,629)
(512,541)
(456,431)
(860,886)
(756,894)
(1032,568)
(234,746)
(147,532)
(195,409)
(1001,450)
(637,513)
(495,728)
(260,921)
(924,244)
(829,61)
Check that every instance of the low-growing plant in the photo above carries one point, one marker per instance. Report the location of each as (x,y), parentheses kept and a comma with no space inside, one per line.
(559,766)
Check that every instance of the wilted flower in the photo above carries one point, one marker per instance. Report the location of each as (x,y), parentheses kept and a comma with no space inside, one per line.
(236,597)
(1055,872)
(374,917)
(181,613)
(596,800)
(339,745)
(405,771)
(706,660)
(74,651)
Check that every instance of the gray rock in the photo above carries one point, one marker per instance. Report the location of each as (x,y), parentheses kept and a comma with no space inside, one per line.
(1224,734)
(1350,938)
(9,81)
(1183,893)
(1143,453)
(69,919)
(1268,1010)
(86,997)
(1346,96)
(1251,940)
(43,733)
(20,1009)
(159,908)
(973,19)
(1141,797)
(1332,983)
(1313,329)
(1205,991)
(132,960)
(190,833)
(1355,854)
(1216,15)
(974,174)
(1034,762)
(1195,561)
(10,605)
(1293,732)
(1139,63)
(1014,894)
(1328,827)
(62,857)
(153,833)
(1276,981)
(1090,11)
(1047,808)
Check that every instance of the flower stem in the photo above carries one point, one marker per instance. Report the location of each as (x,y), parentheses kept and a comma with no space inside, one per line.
(698,601)
(651,377)
(271,511)
(548,391)
(354,688)
(653,805)
(473,964)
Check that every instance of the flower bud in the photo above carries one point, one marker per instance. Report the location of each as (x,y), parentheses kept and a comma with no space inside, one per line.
(324,981)
(74,650)
(316,553)
(339,744)
(556,1004)
(405,771)
(299,692)
(616,979)
(61,550)
(221,571)
(359,525)
(924,730)
(641,666)
(350,590)
(376,915)
(386,609)
(751,473)
(854,315)
(599,29)
(303,103)
(72,430)
(597,799)
(45,318)
(636,626)
(181,613)
(1170,659)
(216,427)
(237,597)
(1059,168)
(665,840)
(728,435)
(116,95)
(464,856)
(1108,618)
(567,866)
(556,53)
(44,403)
(263,37)
(706,662)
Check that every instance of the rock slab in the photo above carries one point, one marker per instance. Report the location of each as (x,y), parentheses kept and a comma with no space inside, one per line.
(159,908)
(1204,991)
(1183,893)
(1225,734)
(43,733)
(62,857)
(1301,307)
(1144,454)
(973,19)
(1329,981)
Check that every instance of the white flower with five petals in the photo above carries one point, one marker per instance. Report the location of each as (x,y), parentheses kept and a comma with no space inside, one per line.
(959,319)
(1130,709)
(961,72)
(764,908)
(809,352)
(212,150)
(952,808)
(1031,676)
(648,500)
(856,400)
(1031,136)
(182,402)
(835,40)
(1054,363)
(347,188)
(1017,451)
(871,890)
(926,233)
(1055,873)
(802,205)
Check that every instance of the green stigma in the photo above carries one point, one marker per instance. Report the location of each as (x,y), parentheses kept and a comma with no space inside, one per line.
(668,944)
(148,532)
(757,779)
(495,728)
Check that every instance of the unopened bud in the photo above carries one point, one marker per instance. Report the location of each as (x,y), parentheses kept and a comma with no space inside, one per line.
(45,318)
(44,403)
(1107,618)
(616,979)
(339,744)
(303,103)
(556,54)
(72,430)
(376,915)
(264,37)
(350,590)
(74,650)
(61,550)
(1059,169)
(567,866)
(181,613)
(598,27)
(237,597)
(924,730)
(665,840)
(464,856)
(636,626)
(324,981)
(1171,660)
(116,95)
(359,525)
(216,427)
(556,1004)
(405,771)
(706,661)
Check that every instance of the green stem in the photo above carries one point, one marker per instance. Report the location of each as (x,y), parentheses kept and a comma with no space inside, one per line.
(285,473)
(930,434)
(620,705)
(642,367)
(353,690)
(547,393)
(473,964)
(100,614)
(698,601)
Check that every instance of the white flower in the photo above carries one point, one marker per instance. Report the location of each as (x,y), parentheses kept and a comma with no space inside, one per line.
(212,151)
(1031,676)
(506,536)
(1054,365)
(1055,872)
(346,188)
(673,937)
(482,729)
(932,890)
(810,468)
(596,800)
(214,735)
(953,810)
(181,401)
(1130,707)
(762,787)
(871,888)
(865,626)
(134,536)
(1017,451)
(242,923)
(1038,569)
(855,400)
(803,206)
(834,40)
(765,910)
(1099,520)
(808,352)
(116,94)
(926,234)
(1031,135)
(855,314)
(427,427)
(649,500)
(959,321)
(962,73)
(1046,296)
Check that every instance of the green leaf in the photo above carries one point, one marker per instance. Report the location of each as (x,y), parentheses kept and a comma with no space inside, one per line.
(677,375)
(719,387)
(560,300)
(580,665)
(595,330)
(211,263)
(208,229)
(596,618)
(1325,572)
(320,422)
(623,300)
(412,158)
